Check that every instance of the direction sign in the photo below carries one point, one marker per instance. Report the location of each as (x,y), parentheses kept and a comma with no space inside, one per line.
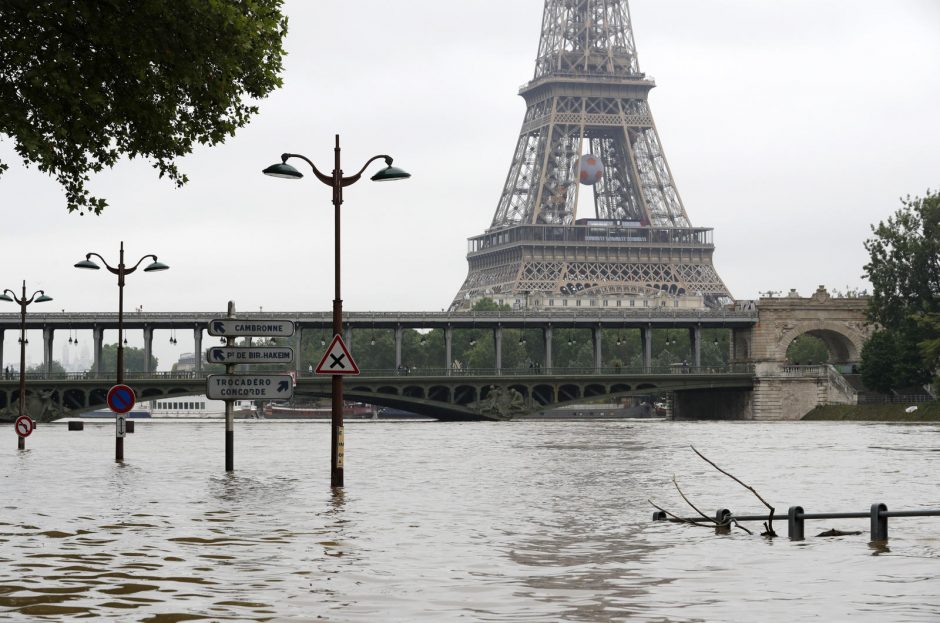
(120,426)
(24,426)
(231,327)
(264,354)
(249,386)
(337,359)
(121,398)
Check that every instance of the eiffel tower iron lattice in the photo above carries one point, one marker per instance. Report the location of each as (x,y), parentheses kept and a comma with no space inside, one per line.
(587,109)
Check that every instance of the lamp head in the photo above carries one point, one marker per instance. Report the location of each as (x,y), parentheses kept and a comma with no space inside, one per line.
(5,297)
(156,266)
(86,263)
(283,170)
(42,298)
(390,174)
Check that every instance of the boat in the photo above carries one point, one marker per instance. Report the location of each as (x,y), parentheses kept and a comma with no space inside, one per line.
(351,410)
(391,413)
(600,412)
(108,413)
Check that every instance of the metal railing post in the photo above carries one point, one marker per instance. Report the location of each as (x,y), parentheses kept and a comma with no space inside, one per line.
(879,522)
(795,523)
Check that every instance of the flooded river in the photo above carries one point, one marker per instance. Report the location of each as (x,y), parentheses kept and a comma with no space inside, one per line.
(525,521)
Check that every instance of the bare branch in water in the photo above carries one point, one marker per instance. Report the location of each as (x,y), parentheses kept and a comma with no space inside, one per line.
(707,518)
(676,518)
(769,525)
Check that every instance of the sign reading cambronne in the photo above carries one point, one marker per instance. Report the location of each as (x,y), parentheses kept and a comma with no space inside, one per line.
(249,386)
(230,327)
(261,354)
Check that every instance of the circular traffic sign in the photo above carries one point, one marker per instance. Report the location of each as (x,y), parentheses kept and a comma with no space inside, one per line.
(121,398)
(24,426)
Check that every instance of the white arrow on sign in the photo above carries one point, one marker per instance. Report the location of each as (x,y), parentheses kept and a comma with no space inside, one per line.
(249,386)
(337,359)
(261,354)
(232,327)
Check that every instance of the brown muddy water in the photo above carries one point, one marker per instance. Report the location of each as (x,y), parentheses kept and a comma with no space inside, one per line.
(519,521)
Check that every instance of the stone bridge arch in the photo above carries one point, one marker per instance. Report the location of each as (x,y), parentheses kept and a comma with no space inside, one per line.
(839,322)
(844,343)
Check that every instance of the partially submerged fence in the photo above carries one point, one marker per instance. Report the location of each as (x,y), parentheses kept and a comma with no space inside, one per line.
(797,517)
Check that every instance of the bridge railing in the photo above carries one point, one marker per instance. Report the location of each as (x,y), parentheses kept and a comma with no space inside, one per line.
(102,376)
(657,371)
(736,369)
(362,319)
(836,379)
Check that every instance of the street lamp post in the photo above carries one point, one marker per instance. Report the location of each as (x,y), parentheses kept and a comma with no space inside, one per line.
(336,181)
(121,270)
(11,297)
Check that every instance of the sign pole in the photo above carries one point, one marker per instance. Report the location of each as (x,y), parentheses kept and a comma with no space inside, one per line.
(337,436)
(231,387)
(229,404)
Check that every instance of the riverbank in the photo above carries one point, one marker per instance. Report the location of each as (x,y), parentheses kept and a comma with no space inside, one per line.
(926,412)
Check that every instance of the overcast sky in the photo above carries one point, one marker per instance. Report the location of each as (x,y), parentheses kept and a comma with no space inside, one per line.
(790,127)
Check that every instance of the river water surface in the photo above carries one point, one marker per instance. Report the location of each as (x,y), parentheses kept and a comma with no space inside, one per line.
(520,521)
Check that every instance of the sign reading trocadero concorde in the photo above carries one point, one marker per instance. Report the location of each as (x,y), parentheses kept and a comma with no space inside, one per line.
(249,386)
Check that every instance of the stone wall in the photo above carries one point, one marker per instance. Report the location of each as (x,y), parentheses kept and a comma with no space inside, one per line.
(839,322)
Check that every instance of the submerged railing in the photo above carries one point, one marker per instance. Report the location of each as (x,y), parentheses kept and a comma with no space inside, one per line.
(797,517)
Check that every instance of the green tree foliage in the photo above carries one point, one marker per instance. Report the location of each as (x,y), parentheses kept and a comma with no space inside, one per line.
(904,265)
(488,304)
(84,82)
(807,350)
(904,269)
(133,359)
(891,360)
(54,368)
(930,345)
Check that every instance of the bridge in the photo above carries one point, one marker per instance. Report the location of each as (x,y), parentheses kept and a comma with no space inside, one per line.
(751,383)
(443,393)
(597,320)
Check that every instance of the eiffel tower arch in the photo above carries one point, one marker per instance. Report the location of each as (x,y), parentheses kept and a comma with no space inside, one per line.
(588,102)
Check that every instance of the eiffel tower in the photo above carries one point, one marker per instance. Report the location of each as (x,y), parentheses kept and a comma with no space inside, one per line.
(588,127)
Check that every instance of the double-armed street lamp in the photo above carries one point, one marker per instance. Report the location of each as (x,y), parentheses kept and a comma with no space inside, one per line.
(336,181)
(121,270)
(10,296)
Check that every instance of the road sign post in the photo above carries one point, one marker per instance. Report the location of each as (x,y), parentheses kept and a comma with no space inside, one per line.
(337,362)
(121,399)
(24,426)
(231,387)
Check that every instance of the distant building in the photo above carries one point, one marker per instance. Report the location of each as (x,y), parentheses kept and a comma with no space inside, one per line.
(186,363)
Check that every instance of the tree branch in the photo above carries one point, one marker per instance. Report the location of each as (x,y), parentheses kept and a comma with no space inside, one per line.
(676,518)
(770,525)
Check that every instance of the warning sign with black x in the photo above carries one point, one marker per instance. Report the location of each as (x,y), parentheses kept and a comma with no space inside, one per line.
(337,359)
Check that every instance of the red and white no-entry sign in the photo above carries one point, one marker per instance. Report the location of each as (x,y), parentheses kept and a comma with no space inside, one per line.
(24,426)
